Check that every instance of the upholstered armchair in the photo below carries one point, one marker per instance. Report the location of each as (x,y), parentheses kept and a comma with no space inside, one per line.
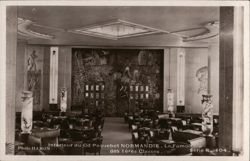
(134,128)
(94,146)
(156,123)
(135,137)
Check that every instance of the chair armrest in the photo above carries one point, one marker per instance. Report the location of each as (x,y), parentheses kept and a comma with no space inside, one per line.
(199,142)
(34,140)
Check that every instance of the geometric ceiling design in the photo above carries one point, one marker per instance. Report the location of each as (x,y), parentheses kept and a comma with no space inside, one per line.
(212,30)
(23,30)
(143,26)
(116,29)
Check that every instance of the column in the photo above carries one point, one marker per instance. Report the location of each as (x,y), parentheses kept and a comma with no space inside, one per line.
(64,72)
(46,79)
(226,77)
(213,75)
(166,66)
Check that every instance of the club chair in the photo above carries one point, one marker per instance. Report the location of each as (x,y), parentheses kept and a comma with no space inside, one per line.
(94,146)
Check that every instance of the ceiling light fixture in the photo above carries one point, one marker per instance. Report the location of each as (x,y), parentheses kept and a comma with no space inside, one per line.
(116,29)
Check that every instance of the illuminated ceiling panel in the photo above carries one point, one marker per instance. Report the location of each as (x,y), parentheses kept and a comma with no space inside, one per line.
(115,30)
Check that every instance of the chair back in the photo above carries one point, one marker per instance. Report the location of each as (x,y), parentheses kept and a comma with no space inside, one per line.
(184,122)
(151,134)
(174,128)
(134,128)
(76,135)
(135,136)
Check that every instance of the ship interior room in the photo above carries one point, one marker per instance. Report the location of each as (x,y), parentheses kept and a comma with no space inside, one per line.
(116,80)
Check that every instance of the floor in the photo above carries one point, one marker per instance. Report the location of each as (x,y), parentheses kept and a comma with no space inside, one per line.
(115,132)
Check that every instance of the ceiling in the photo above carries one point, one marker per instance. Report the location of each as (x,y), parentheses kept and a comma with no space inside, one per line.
(58,20)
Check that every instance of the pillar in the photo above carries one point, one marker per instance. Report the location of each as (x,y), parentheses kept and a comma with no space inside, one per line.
(213,75)
(166,79)
(226,77)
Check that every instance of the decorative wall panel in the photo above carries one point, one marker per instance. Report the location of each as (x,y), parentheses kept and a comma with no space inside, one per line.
(53,75)
(34,85)
(181,77)
(196,78)
(34,69)
(119,70)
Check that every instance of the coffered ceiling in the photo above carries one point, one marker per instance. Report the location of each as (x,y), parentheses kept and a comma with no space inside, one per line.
(163,26)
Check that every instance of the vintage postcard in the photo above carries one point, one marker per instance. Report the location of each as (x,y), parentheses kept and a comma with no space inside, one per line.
(126,80)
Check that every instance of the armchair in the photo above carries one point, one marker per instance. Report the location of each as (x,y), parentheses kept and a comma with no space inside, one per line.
(94,146)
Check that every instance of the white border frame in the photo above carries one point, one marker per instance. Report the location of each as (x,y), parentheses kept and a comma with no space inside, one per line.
(246,113)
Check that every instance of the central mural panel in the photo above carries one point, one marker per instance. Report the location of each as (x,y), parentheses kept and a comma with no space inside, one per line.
(118,80)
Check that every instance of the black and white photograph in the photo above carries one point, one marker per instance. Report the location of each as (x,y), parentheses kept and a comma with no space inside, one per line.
(92,80)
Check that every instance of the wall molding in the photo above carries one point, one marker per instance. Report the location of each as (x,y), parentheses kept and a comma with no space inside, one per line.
(53,75)
(180,77)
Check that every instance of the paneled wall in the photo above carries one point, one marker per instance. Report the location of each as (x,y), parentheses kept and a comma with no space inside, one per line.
(213,53)
(46,70)
(33,69)
(196,59)
(170,74)
(32,74)
(196,76)
(196,82)
(20,72)
(64,72)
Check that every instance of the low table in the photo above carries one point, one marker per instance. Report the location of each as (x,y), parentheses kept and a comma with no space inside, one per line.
(45,132)
(193,132)
(43,136)
(167,141)
(197,125)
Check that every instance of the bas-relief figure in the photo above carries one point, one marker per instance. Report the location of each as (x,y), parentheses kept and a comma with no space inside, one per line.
(34,84)
(32,61)
(202,76)
(34,77)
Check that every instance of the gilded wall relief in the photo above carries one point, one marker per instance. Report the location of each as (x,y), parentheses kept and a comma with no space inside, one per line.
(117,69)
(202,76)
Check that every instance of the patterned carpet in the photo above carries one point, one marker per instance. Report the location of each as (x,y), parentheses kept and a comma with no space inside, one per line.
(115,132)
